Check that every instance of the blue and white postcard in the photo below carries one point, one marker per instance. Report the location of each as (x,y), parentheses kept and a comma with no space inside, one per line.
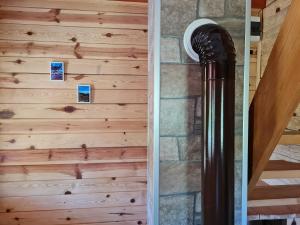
(57,71)
(84,93)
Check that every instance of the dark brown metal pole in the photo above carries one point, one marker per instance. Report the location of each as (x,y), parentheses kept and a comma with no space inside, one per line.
(217,62)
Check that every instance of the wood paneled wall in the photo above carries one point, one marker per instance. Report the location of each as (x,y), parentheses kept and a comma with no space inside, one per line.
(63,162)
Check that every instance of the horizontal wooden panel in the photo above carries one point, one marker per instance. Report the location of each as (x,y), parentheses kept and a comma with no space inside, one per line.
(127,6)
(275,210)
(290,139)
(75,66)
(124,82)
(74,18)
(54,202)
(281,174)
(46,141)
(275,192)
(46,126)
(273,202)
(70,187)
(76,216)
(113,171)
(279,165)
(70,96)
(71,111)
(72,156)
(72,50)
(21,32)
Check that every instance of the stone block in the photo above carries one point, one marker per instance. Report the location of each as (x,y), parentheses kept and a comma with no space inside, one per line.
(179,177)
(177,210)
(236,8)
(235,26)
(179,81)
(209,8)
(238,184)
(176,15)
(198,206)
(190,147)
(177,117)
(168,148)
(170,50)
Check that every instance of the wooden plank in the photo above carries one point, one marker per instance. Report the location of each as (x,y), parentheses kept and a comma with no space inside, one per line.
(22,32)
(72,50)
(290,139)
(72,156)
(41,81)
(70,187)
(74,66)
(76,216)
(70,96)
(275,192)
(281,174)
(270,110)
(74,18)
(274,210)
(135,6)
(72,111)
(46,141)
(78,201)
(274,202)
(279,165)
(46,126)
(114,171)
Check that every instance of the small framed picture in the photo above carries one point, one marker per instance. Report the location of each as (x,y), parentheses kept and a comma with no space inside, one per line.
(57,71)
(84,93)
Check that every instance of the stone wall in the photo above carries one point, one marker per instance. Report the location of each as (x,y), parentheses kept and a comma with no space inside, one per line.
(180,113)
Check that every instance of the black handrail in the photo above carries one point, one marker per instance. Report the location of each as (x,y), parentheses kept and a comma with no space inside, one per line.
(216,52)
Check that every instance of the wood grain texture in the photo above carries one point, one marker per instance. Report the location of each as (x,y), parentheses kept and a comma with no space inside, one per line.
(71,187)
(63,162)
(21,32)
(113,171)
(46,141)
(67,96)
(270,111)
(275,192)
(74,66)
(127,6)
(78,201)
(72,111)
(76,216)
(73,18)
(41,81)
(275,210)
(67,126)
(72,50)
(72,156)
